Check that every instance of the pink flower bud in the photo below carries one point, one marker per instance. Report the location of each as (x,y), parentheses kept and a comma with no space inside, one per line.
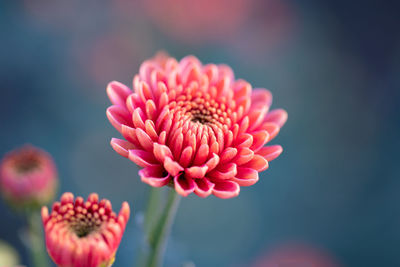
(28,177)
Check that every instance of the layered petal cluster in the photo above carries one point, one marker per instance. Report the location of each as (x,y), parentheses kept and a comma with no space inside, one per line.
(194,126)
(83,233)
(28,176)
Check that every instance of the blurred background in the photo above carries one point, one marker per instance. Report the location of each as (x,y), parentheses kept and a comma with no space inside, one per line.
(332,197)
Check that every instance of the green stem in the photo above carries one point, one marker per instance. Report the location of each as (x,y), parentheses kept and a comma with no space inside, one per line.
(158,230)
(36,241)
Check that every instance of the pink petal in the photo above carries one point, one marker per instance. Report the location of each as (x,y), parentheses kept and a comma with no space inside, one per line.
(163,100)
(203,187)
(150,130)
(118,92)
(144,91)
(137,118)
(261,97)
(196,171)
(228,154)
(172,167)
(244,140)
(258,163)
(142,158)
(244,125)
(118,116)
(186,156)
(161,151)
(144,139)
(184,185)
(129,134)
(154,176)
(270,152)
(272,129)
(245,155)
(122,147)
(226,189)
(260,138)
(151,109)
(212,162)
(133,102)
(246,176)
(226,171)
(279,116)
(256,117)
(201,155)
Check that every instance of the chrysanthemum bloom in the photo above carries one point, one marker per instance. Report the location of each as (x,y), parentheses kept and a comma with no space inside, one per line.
(28,177)
(83,233)
(194,126)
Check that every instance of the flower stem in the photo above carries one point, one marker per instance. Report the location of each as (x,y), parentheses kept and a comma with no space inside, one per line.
(159,228)
(36,243)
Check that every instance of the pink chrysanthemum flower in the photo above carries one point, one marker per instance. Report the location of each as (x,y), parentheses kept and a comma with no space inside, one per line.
(28,177)
(83,233)
(194,126)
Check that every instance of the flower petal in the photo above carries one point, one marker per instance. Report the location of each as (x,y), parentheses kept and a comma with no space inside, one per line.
(212,162)
(261,97)
(272,128)
(118,92)
(201,155)
(196,171)
(228,154)
(260,138)
(161,151)
(256,117)
(184,185)
(186,156)
(244,140)
(203,187)
(118,116)
(246,176)
(279,116)
(226,171)
(142,158)
(154,176)
(259,163)
(122,147)
(144,139)
(245,155)
(270,152)
(129,134)
(226,189)
(172,167)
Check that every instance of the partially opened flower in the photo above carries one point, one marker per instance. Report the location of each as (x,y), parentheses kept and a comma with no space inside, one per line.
(28,177)
(83,233)
(194,126)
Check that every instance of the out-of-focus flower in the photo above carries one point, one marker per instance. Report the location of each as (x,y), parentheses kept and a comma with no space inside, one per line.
(83,233)
(271,29)
(111,54)
(194,126)
(296,255)
(28,177)
(8,255)
(196,21)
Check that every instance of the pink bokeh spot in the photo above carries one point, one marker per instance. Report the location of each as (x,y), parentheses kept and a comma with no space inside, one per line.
(296,255)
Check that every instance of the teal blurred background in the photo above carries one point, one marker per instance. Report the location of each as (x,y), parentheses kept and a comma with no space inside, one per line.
(333,65)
